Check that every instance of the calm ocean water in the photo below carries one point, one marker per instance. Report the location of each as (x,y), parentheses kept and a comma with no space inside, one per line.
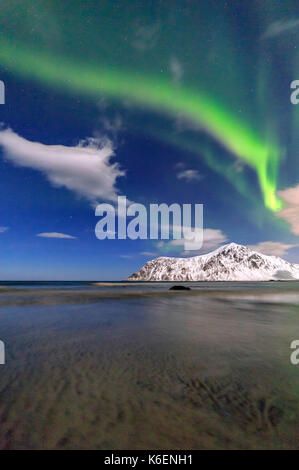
(136,366)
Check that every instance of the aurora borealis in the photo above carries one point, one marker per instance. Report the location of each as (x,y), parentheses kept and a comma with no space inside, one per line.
(206,83)
(158,94)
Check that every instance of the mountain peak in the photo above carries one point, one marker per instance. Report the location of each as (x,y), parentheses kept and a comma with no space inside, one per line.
(232,245)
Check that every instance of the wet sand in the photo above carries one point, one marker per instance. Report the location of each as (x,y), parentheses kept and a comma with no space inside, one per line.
(163,371)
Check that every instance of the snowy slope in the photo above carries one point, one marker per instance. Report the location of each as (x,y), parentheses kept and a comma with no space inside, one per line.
(230,262)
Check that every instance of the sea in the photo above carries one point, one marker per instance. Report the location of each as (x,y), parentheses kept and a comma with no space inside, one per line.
(134,365)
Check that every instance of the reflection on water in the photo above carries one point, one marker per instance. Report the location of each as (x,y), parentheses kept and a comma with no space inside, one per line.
(140,367)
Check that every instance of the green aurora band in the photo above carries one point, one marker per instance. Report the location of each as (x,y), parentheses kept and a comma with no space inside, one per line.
(159,94)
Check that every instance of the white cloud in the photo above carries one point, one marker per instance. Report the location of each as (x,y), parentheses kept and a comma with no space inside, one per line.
(84,169)
(272,248)
(189,175)
(55,235)
(3,229)
(279,27)
(290,212)
(212,239)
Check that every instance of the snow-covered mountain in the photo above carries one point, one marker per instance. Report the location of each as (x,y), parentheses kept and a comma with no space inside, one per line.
(230,262)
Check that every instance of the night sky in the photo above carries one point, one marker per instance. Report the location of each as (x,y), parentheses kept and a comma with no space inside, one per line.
(161,101)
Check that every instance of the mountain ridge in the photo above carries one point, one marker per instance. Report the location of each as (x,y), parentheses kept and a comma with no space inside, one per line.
(230,262)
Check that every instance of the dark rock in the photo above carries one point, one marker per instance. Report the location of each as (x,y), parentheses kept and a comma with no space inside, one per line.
(179,288)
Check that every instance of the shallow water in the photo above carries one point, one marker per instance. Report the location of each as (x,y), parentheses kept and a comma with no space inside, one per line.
(139,367)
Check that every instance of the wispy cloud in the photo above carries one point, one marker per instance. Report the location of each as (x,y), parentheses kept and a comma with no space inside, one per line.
(212,239)
(146,37)
(110,121)
(290,212)
(85,169)
(272,248)
(142,253)
(179,165)
(3,229)
(55,235)
(148,253)
(189,175)
(279,27)
(176,70)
